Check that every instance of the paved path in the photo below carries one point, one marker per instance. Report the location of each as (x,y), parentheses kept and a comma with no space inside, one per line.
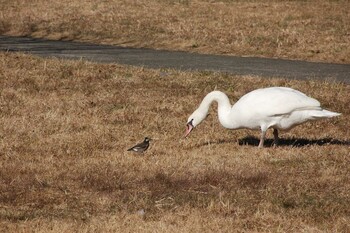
(264,67)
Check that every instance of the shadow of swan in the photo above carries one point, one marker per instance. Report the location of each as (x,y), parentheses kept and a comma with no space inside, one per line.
(294,142)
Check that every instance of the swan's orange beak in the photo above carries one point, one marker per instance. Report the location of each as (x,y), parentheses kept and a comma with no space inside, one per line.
(189,128)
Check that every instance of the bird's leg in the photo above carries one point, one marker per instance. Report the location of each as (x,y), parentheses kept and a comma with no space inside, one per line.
(275,135)
(262,138)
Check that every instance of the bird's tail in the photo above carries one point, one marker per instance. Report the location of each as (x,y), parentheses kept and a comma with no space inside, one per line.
(324,114)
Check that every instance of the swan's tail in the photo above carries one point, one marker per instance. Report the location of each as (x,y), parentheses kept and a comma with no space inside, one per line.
(324,114)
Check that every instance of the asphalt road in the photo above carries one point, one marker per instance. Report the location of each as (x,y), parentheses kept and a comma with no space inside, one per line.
(264,67)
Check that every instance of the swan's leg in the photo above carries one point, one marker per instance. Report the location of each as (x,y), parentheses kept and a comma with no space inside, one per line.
(262,138)
(275,135)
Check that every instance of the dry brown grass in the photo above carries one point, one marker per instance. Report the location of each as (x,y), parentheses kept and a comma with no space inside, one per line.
(66,125)
(306,30)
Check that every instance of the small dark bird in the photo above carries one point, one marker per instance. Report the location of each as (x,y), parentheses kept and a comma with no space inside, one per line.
(141,147)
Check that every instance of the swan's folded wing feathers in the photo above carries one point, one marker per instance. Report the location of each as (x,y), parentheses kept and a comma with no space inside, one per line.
(297,109)
(277,101)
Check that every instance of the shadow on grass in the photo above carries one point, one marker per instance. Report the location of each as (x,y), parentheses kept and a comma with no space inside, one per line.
(294,142)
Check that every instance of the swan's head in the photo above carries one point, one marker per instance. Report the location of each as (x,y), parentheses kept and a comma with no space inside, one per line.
(194,120)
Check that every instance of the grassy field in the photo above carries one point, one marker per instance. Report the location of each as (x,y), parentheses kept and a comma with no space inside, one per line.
(66,125)
(306,30)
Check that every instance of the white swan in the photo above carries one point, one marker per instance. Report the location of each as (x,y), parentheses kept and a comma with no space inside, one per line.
(274,107)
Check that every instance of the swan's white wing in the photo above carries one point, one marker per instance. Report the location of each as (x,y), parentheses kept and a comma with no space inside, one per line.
(275,101)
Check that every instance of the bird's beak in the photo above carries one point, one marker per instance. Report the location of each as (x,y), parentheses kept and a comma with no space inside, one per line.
(189,128)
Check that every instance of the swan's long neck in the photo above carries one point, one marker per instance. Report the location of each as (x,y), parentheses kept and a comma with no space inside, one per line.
(224,107)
